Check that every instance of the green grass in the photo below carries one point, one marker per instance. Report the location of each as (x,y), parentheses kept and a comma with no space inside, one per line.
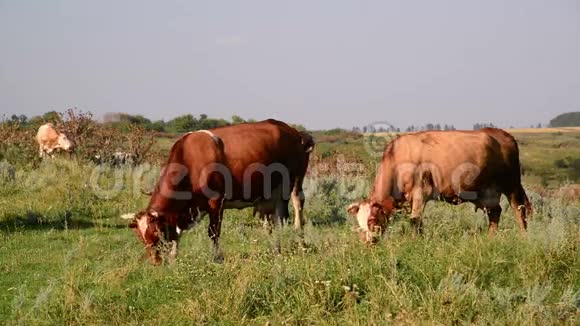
(66,258)
(540,152)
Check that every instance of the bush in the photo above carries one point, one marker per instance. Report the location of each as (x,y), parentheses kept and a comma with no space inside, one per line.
(328,197)
(563,163)
(7,173)
(90,139)
(18,144)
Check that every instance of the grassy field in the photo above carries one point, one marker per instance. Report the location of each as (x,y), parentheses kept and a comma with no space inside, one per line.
(67,258)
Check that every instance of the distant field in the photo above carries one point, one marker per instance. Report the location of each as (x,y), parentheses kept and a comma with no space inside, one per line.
(544,130)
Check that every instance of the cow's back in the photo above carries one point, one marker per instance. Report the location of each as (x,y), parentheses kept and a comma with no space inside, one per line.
(47,136)
(268,143)
(484,157)
(264,142)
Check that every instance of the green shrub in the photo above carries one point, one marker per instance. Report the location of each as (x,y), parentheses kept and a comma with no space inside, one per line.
(7,173)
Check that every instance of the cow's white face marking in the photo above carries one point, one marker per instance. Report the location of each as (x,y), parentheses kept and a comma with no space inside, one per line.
(362,211)
(362,216)
(128,216)
(142,225)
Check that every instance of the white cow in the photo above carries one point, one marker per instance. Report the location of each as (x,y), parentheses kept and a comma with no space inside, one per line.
(50,139)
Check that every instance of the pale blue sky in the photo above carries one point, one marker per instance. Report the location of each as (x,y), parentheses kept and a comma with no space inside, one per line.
(319,63)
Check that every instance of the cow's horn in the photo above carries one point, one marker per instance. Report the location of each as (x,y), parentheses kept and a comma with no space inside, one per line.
(129,216)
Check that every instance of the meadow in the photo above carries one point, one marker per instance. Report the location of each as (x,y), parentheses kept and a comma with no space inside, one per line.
(67,258)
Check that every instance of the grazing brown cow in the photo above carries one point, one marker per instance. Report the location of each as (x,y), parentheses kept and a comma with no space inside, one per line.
(228,167)
(49,139)
(454,166)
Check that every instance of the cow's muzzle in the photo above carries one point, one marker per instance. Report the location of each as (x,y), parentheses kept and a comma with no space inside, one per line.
(371,236)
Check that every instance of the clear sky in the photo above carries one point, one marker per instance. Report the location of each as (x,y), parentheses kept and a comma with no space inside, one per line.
(319,63)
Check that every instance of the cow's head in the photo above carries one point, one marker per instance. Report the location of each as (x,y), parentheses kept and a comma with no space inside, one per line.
(147,226)
(64,142)
(372,218)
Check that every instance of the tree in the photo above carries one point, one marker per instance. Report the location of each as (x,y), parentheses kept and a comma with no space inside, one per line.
(19,119)
(570,119)
(181,124)
(478,126)
(52,117)
(158,125)
(448,127)
(236,119)
(134,119)
(298,127)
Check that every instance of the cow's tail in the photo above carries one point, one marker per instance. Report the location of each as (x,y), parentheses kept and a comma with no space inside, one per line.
(516,172)
(520,198)
(527,205)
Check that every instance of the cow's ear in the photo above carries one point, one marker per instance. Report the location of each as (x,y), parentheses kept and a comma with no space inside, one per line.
(386,206)
(133,224)
(130,216)
(353,208)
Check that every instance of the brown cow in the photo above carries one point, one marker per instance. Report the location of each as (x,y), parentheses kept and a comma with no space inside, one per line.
(228,167)
(454,166)
(49,139)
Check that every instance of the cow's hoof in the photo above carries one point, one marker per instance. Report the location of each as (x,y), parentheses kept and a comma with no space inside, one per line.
(218,259)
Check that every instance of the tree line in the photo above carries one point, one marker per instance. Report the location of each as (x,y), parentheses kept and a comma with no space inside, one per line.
(123,121)
(189,122)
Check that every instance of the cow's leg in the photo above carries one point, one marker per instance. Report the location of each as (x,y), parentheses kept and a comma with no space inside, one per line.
(276,221)
(418,205)
(267,223)
(214,228)
(493,213)
(41,151)
(520,205)
(281,213)
(174,249)
(172,236)
(298,204)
